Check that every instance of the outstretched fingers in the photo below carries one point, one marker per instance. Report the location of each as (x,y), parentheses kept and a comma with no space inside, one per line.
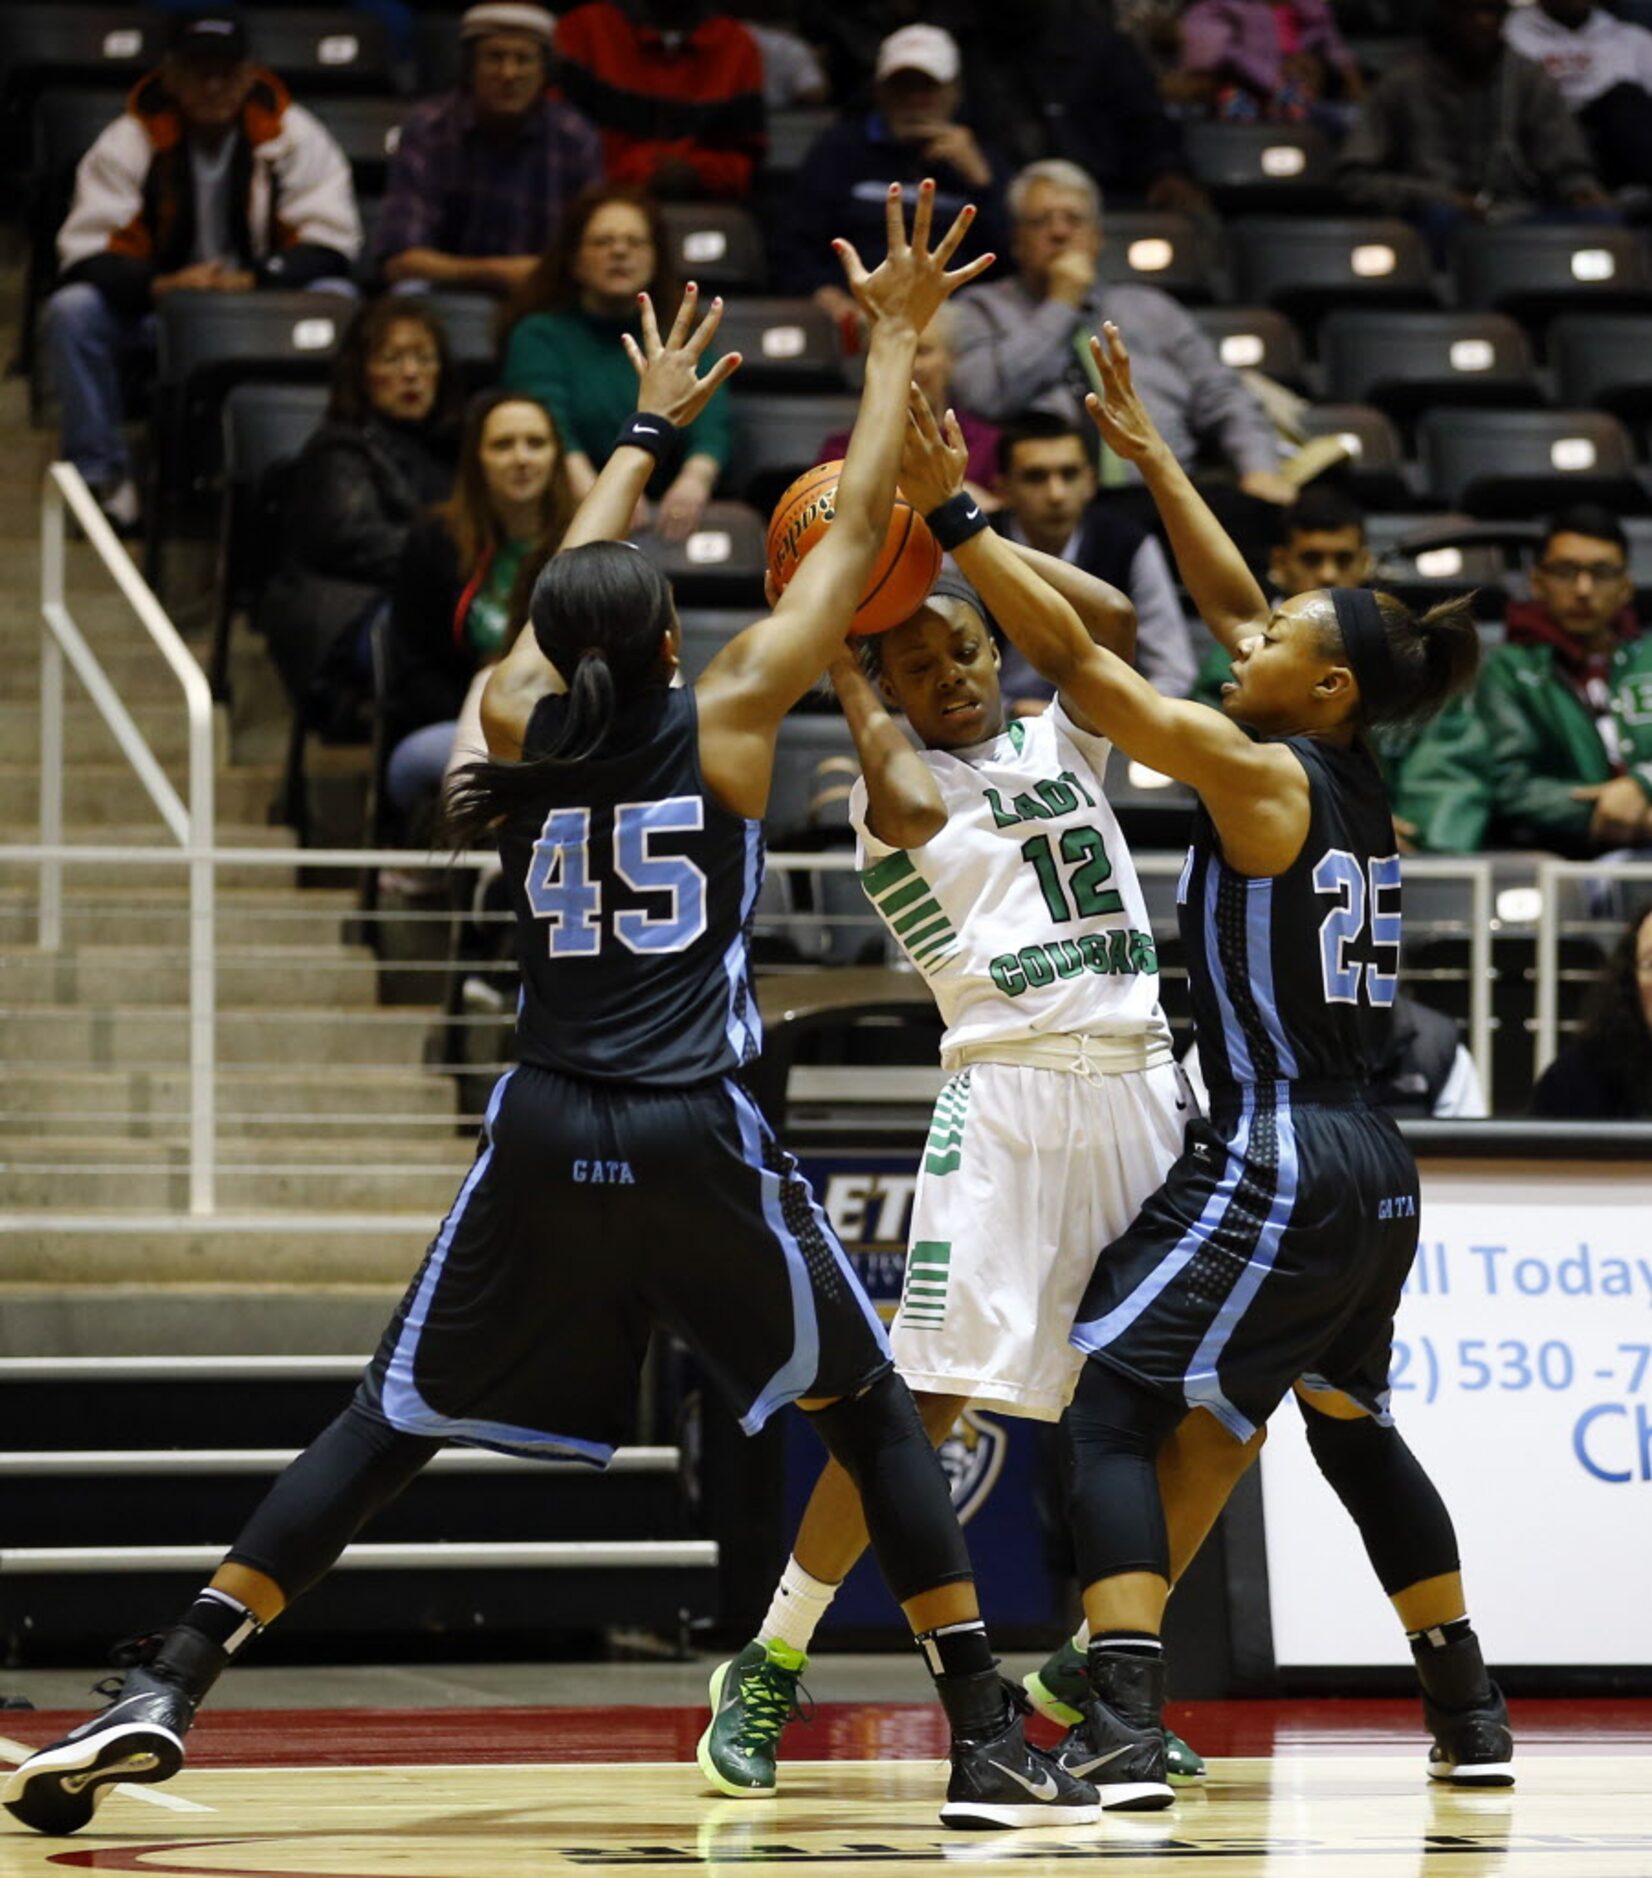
(650,326)
(971,270)
(1111,355)
(721,372)
(700,338)
(683,324)
(920,416)
(955,234)
(894,219)
(954,432)
(854,267)
(634,353)
(924,216)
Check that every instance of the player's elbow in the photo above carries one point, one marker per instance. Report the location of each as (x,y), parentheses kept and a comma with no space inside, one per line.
(911,822)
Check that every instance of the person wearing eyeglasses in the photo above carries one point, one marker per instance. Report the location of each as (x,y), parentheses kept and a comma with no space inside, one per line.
(1605,1073)
(1566,703)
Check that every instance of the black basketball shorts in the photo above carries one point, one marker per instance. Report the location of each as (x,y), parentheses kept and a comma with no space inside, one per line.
(1275,1250)
(592,1212)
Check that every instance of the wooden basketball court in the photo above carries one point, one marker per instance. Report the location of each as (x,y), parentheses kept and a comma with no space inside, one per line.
(522,1793)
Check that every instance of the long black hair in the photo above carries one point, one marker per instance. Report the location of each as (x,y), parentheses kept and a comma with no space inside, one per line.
(1434,655)
(599,613)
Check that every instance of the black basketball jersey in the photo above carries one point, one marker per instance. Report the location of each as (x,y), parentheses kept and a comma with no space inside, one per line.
(1293,978)
(634,893)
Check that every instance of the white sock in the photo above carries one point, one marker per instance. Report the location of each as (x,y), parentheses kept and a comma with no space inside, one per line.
(1081,1638)
(799,1604)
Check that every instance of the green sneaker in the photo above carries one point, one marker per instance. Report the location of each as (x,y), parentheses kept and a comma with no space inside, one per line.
(1059,1685)
(752,1699)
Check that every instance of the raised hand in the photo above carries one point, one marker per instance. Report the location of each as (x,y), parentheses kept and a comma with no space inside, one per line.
(932,463)
(1119,413)
(670,385)
(911,282)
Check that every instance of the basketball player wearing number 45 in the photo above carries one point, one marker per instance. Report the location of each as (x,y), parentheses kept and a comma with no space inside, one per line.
(629,816)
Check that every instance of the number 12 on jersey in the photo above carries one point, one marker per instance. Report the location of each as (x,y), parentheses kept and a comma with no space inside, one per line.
(562,893)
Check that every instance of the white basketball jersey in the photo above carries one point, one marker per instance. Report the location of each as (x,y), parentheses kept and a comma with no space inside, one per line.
(1023,913)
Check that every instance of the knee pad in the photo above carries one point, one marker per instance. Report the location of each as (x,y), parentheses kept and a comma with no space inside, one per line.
(1402,1520)
(1114,1430)
(879,1441)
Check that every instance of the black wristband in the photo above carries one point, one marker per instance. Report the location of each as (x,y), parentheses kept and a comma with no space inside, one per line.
(956,520)
(644,430)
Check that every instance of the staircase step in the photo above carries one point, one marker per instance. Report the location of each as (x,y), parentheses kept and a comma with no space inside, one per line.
(94,793)
(158,916)
(87,737)
(82,875)
(126,1036)
(262,1103)
(340,975)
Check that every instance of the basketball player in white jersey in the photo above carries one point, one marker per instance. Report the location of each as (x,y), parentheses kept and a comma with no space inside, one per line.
(995,861)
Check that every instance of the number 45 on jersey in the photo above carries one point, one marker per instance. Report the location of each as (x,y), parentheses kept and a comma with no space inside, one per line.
(562,893)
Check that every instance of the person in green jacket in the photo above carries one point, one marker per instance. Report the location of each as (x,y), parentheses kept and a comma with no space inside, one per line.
(564,346)
(1437,779)
(1566,703)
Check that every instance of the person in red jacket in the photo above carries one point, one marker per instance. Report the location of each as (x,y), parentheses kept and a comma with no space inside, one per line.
(675,87)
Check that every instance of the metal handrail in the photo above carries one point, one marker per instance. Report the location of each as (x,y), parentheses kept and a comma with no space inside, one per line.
(1550,873)
(65,490)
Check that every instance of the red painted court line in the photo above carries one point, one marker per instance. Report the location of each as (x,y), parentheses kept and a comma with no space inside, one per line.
(377,1737)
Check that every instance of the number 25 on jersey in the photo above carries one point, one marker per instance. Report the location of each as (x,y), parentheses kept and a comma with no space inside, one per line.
(1361,910)
(562,893)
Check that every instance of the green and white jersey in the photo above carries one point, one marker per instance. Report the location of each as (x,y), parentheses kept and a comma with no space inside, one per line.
(1024,912)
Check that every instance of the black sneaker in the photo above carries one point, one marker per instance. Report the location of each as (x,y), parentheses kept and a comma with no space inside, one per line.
(1003,1780)
(1119,1745)
(1472,1747)
(138,1737)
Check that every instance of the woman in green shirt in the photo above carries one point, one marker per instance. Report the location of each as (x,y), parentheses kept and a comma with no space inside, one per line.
(564,346)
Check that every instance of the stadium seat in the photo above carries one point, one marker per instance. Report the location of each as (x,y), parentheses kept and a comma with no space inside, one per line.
(776,437)
(791,136)
(1306,266)
(264,428)
(65,43)
(720,564)
(706,630)
(1265,169)
(471,322)
(1534,270)
(808,758)
(1604,360)
(1164,251)
(1639,530)
(438,53)
(1498,463)
(1375,471)
(321,49)
(789,344)
(717,244)
(1256,339)
(1427,558)
(1403,362)
(366,130)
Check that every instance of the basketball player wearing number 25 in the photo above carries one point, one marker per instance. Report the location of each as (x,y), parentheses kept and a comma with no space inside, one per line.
(628,815)
(1274,1253)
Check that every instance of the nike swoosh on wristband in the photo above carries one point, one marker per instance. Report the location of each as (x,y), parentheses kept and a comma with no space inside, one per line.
(1101,1760)
(1046,1789)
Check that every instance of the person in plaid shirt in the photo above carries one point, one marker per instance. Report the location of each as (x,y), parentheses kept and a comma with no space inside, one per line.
(481,176)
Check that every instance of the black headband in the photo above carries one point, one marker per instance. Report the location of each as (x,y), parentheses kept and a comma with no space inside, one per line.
(953,586)
(1365,640)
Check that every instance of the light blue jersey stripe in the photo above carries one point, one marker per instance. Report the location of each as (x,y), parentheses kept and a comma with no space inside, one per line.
(406,1409)
(1238,1050)
(745,1034)
(1101,1331)
(1259,963)
(1201,1385)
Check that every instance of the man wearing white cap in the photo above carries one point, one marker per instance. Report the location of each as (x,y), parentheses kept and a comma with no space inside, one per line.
(480,177)
(912,131)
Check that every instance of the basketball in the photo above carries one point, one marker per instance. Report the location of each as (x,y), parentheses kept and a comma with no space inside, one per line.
(903,573)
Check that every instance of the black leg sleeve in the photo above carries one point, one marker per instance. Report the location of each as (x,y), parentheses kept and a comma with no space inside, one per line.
(357,1464)
(1401,1518)
(1115,1429)
(879,1442)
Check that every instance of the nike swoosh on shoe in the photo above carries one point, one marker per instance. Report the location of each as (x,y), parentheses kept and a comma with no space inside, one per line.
(1101,1760)
(1045,1789)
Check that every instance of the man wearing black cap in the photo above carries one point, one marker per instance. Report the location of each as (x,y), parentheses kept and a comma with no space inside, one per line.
(212,179)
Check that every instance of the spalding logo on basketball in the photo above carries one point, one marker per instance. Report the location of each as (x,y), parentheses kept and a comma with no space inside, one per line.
(903,573)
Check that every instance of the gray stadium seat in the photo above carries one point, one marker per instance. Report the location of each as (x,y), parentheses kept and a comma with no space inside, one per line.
(1375,471)
(68,43)
(778,436)
(717,244)
(1255,338)
(1639,530)
(1496,463)
(790,344)
(1266,169)
(1164,251)
(1425,559)
(1307,265)
(720,564)
(471,322)
(1604,360)
(803,747)
(1403,362)
(321,49)
(792,134)
(366,130)
(706,630)
(1533,270)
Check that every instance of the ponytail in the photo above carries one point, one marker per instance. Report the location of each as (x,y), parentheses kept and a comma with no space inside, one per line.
(599,613)
(1431,658)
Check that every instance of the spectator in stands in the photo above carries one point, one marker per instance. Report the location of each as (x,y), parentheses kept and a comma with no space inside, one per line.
(1053,78)
(1247,60)
(1603,66)
(1566,702)
(676,88)
(912,131)
(463,583)
(382,455)
(1466,131)
(480,178)
(1437,777)
(1605,1075)
(1022,342)
(1047,479)
(794,74)
(212,179)
(565,346)
(932,374)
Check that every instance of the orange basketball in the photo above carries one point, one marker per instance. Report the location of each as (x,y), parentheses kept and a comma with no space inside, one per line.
(903,573)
